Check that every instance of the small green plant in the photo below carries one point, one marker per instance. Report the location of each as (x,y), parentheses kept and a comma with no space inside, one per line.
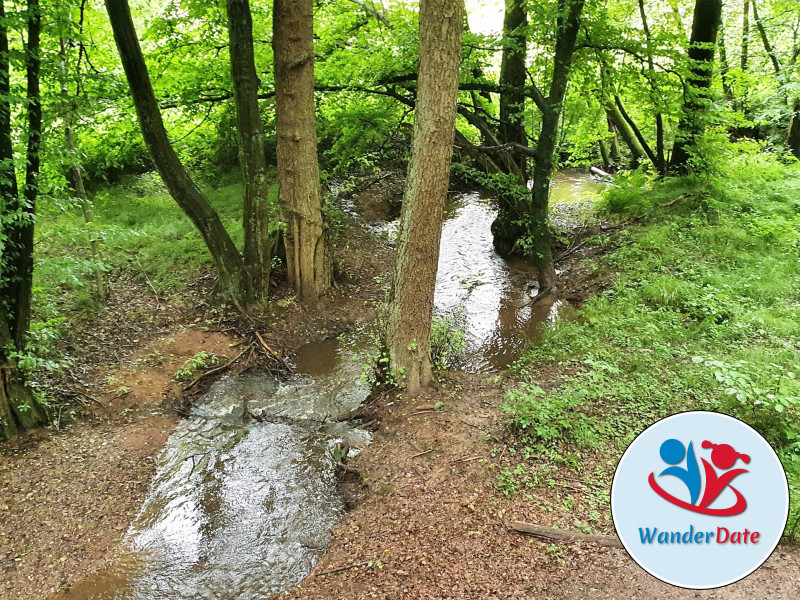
(448,340)
(199,362)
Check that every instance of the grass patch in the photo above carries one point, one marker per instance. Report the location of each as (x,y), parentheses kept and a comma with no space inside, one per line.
(704,314)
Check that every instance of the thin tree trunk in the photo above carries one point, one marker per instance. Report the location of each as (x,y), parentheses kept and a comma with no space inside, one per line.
(724,66)
(743,59)
(411,308)
(257,255)
(707,18)
(308,250)
(637,132)
(793,131)
(658,159)
(181,187)
(765,40)
(625,132)
(793,136)
(74,173)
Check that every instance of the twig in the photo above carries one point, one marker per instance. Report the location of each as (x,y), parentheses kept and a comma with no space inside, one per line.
(272,352)
(423,453)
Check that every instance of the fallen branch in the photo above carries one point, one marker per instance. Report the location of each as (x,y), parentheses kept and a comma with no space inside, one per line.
(558,535)
(271,352)
(423,453)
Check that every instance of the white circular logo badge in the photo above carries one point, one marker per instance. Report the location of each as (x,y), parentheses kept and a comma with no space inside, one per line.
(699,500)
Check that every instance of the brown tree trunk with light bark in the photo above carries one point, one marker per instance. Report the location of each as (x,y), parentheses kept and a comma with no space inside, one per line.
(411,308)
(252,159)
(309,260)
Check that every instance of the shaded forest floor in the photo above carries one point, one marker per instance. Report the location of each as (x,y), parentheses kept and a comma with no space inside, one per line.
(441,479)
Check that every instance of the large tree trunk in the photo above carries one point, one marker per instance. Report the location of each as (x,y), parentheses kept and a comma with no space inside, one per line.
(707,18)
(18,407)
(180,185)
(513,72)
(308,252)
(568,24)
(251,150)
(416,262)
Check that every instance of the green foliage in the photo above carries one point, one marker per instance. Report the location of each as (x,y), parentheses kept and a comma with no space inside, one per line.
(199,362)
(702,314)
(448,340)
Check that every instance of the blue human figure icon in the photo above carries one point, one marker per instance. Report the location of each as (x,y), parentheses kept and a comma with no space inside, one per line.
(672,453)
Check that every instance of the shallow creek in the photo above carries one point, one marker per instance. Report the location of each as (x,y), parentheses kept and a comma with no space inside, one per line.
(245,495)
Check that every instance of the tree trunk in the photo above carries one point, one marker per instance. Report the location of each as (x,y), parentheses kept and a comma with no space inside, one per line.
(658,159)
(626,133)
(308,251)
(743,59)
(724,66)
(568,24)
(793,137)
(765,40)
(416,262)
(180,185)
(18,407)
(512,74)
(257,255)
(74,174)
(707,18)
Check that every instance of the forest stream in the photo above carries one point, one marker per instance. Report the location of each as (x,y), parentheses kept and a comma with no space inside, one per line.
(246,494)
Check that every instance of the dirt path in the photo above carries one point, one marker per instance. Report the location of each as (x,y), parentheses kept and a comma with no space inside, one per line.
(433,525)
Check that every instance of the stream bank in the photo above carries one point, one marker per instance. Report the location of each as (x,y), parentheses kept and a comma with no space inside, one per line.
(365,264)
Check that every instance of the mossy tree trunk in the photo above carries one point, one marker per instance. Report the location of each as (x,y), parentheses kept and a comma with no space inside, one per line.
(692,125)
(251,151)
(411,308)
(308,250)
(541,252)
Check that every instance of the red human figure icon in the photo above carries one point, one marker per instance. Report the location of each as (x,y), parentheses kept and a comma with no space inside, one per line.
(724,457)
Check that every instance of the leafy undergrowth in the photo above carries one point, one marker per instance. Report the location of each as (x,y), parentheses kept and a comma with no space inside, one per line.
(704,314)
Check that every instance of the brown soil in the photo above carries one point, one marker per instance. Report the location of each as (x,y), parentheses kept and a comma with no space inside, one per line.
(427,521)
(431,523)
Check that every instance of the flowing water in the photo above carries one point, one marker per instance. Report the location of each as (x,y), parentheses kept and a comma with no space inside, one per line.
(245,495)
(492,298)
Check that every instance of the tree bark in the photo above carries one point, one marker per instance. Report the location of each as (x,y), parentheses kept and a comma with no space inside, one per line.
(74,174)
(513,72)
(181,187)
(257,255)
(707,18)
(745,54)
(416,262)
(625,132)
(18,408)
(308,250)
(724,66)
(658,159)
(568,24)
(793,136)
